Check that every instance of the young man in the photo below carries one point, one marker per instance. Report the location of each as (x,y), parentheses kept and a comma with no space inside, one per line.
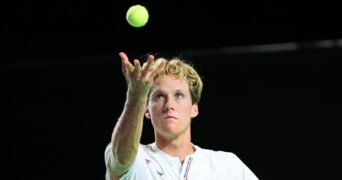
(167,92)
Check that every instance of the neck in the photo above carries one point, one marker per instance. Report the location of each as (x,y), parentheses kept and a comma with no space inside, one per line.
(179,147)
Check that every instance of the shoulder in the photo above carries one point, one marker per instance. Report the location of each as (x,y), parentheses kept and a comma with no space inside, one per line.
(218,155)
(108,148)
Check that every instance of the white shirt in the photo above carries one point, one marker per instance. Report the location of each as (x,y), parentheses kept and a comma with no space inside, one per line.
(151,163)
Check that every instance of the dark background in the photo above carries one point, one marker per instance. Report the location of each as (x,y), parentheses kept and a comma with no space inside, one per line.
(271,75)
(75,27)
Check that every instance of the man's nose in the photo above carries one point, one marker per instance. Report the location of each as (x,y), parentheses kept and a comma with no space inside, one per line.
(169,105)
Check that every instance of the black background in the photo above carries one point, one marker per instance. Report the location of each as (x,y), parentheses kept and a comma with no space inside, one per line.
(279,111)
(75,27)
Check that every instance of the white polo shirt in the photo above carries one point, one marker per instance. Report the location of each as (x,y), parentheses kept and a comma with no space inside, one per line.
(153,164)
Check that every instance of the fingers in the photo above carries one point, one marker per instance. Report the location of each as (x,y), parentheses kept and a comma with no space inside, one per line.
(128,69)
(126,65)
(156,69)
(146,72)
(148,66)
(137,68)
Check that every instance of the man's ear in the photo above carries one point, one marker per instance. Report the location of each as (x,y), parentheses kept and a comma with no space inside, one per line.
(147,114)
(194,110)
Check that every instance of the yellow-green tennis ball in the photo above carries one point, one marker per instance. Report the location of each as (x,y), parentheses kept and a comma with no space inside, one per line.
(137,15)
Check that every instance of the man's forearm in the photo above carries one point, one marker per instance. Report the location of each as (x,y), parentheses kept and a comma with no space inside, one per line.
(127,132)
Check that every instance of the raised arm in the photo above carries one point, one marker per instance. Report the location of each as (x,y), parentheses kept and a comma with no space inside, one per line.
(128,129)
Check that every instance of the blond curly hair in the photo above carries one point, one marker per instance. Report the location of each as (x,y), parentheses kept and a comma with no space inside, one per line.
(181,68)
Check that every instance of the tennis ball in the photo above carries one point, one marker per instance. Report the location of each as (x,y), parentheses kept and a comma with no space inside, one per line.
(137,15)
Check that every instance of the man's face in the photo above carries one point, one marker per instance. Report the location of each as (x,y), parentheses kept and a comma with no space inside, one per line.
(170,107)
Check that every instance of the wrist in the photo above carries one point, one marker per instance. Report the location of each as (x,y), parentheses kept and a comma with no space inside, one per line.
(137,96)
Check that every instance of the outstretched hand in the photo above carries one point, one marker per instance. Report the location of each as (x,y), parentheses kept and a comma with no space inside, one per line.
(139,78)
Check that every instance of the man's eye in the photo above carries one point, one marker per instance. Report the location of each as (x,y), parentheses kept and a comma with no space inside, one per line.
(179,95)
(159,96)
